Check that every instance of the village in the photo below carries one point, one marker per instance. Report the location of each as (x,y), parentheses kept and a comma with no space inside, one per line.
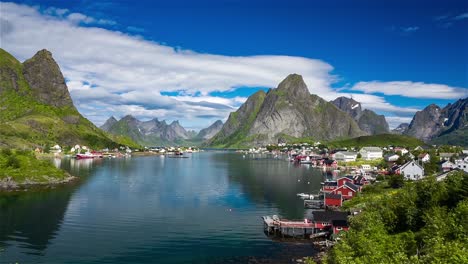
(85,152)
(352,169)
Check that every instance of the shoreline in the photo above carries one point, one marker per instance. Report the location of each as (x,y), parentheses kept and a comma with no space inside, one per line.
(10,185)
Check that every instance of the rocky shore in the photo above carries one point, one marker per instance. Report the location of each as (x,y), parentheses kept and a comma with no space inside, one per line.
(9,184)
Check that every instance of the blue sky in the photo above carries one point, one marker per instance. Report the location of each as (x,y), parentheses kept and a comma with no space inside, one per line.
(394,57)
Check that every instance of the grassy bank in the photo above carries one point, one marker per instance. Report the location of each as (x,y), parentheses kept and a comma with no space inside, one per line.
(21,168)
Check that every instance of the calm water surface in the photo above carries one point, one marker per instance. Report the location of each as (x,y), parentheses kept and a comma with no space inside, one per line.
(203,209)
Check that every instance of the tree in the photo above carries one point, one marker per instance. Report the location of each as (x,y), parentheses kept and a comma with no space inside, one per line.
(396,181)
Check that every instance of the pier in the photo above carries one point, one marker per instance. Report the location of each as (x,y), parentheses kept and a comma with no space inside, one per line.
(287,228)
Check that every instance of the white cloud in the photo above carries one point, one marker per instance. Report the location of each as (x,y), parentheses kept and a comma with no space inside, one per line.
(410,29)
(461,16)
(114,73)
(412,89)
(394,121)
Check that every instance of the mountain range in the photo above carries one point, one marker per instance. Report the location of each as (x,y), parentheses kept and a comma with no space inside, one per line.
(368,121)
(290,112)
(435,125)
(158,133)
(284,113)
(36,108)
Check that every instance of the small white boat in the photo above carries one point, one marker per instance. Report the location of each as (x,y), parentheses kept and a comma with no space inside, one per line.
(305,196)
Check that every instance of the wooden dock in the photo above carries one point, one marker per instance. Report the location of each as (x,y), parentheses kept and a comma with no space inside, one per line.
(287,228)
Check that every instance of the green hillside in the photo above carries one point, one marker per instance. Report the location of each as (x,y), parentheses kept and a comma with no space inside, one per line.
(381,140)
(28,122)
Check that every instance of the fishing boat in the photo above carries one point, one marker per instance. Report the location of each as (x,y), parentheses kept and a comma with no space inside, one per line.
(89,155)
(305,196)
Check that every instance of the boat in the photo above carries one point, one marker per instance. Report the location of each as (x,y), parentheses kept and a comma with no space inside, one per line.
(89,155)
(305,196)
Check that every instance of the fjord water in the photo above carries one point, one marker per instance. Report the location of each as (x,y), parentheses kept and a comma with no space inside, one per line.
(156,209)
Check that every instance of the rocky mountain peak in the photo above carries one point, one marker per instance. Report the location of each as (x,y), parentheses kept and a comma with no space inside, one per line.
(210,131)
(129,118)
(401,128)
(46,80)
(295,86)
(367,120)
(348,105)
(109,123)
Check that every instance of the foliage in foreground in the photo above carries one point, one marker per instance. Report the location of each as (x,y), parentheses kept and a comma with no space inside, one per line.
(23,167)
(423,222)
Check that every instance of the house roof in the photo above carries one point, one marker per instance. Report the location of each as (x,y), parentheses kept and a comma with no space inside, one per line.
(408,163)
(444,154)
(328,216)
(352,186)
(371,149)
(347,153)
(328,161)
(333,196)
(391,155)
(422,155)
(340,223)
(330,183)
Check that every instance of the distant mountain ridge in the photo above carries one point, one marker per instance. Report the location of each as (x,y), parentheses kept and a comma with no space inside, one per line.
(400,129)
(289,111)
(37,110)
(157,133)
(368,120)
(448,125)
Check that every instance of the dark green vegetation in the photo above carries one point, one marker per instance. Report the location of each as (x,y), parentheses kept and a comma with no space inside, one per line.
(36,108)
(455,138)
(423,222)
(22,167)
(235,131)
(381,140)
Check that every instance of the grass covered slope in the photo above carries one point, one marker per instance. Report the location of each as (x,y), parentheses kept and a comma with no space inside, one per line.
(423,222)
(381,140)
(234,133)
(22,168)
(28,122)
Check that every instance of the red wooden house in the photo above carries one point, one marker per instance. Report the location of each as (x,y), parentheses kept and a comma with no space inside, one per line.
(348,190)
(341,181)
(333,199)
(329,186)
(339,225)
(323,220)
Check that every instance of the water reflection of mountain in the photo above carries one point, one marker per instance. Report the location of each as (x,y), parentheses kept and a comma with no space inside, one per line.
(31,219)
(268,180)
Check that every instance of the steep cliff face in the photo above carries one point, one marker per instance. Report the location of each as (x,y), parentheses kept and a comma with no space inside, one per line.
(237,127)
(287,111)
(36,108)
(211,131)
(426,124)
(368,120)
(448,125)
(46,80)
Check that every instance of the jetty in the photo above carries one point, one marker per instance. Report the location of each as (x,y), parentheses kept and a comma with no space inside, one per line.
(273,225)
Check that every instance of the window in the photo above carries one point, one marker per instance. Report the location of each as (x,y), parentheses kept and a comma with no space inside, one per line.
(339,192)
(350,193)
(324,223)
(339,228)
